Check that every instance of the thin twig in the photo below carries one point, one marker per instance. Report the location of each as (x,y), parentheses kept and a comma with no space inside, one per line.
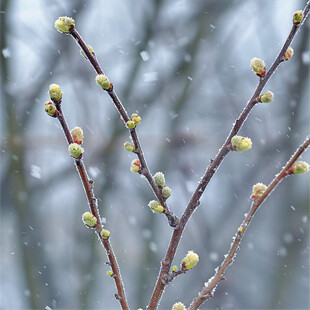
(214,164)
(208,291)
(92,201)
(172,218)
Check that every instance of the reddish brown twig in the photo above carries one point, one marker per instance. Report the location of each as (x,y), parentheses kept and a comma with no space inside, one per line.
(92,201)
(214,164)
(208,291)
(172,218)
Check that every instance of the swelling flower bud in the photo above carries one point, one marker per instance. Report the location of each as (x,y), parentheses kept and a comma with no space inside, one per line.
(240,143)
(156,207)
(190,260)
(88,219)
(258,190)
(129,147)
(299,168)
(105,234)
(289,53)
(130,124)
(166,191)
(77,135)
(258,66)
(178,306)
(55,92)
(297,17)
(159,179)
(136,118)
(110,273)
(266,97)
(65,24)
(75,150)
(135,166)
(103,81)
(50,109)
(174,268)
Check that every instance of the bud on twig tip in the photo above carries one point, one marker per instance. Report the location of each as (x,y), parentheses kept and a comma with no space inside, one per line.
(55,92)
(65,24)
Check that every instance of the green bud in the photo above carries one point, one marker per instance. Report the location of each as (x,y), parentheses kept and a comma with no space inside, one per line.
(241,143)
(55,92)
(266,97)
(156,207)
(300,167)
(297,17)
(190,260)
(65,24)
(258,190)
(258,66)
(129,147)
(89,219)
(50,109)
(136,118)
(75,150)
(135,166)
(166,191)
(110,273)
(159,179)
(77,135)
(178,306)
(289,53)
(130,124)
(105,234)
(174,268)
(103,81)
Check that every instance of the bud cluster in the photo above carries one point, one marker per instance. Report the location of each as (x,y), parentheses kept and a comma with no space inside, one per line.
(258,190)
(65,24)
(103,81)
(89,219)
(159,179)
(135,166)
(156,207)
(134,121)
(55,92)
(258,66)
(77,135)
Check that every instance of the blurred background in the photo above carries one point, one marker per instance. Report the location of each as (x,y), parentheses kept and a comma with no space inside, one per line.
(184,66)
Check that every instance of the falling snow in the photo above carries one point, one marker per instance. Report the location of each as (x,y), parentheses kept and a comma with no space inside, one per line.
(145,55)
(150,76)
(35,171)
(6,53)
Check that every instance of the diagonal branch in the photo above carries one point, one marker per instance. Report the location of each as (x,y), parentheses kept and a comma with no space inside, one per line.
(172,218)
(213,166)
(208,291)
(92,201)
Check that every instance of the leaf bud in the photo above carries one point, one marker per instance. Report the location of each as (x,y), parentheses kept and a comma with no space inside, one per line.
(90,49)
(89,219)
(266,97)
(103,81)
(240,229)
(135,166)
(129,147)
(258,190)
(258,66)
(299,168)
(241,143)
(178,306)
(55,92)
(156,207)
(130,124)
(105,234)
(289,53)
(77,135)
(50,109)
(297,17)
(166,191)
(75,150)
(136,118)
(65,24)
(159,179)
(190,260)
(110,273)
(174,268)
